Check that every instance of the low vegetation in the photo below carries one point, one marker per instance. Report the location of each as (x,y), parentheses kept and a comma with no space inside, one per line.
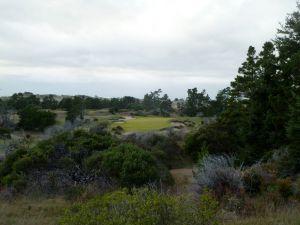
(108,161)
(218,173)
(32,118)
(283,216)
(32,211)
(78,158)
(144,207)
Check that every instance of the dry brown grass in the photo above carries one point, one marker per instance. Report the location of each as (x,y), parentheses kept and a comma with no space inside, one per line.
(25,211)
(41,211)
(184,181)
(284,216)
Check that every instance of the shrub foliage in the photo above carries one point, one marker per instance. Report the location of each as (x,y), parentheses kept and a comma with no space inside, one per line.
(143,207)
(78,158)
(32,118)
(132,165)
(219,175)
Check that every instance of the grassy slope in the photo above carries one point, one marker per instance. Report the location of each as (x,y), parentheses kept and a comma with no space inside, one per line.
(145,124)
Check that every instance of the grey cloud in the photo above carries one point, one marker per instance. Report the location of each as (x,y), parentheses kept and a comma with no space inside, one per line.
(169,44)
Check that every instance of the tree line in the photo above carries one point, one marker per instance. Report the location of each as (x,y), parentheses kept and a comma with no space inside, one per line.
(35,112)
(260,111)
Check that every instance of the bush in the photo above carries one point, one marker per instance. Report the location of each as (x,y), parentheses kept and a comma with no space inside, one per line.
(214,136)
(132,165)
(32,118)
(118,130)
(218,174)
(164,146)
(93,162)
(5,133)
(54,164)
(143,207)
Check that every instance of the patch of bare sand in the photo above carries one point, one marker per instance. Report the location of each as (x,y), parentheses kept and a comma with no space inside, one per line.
(184,180)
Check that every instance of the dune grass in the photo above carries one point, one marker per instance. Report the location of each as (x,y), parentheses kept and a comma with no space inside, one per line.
(145,123)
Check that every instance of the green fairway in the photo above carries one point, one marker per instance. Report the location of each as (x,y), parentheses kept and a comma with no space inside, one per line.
(145,123)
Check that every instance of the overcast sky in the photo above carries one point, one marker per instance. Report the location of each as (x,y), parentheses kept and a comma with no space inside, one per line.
(113,48)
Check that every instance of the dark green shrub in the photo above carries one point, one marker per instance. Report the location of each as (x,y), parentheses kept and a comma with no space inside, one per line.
(118,130)
(23,164)
(66,163)
(32,118)
(165,147)
(214,137)
(94,162)
(132,165)
(83,144)
(6,167)
(15,180)
(59,158)
(5,133)
(143,207)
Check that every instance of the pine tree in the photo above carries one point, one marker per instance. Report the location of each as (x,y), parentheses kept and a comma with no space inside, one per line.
(293,131)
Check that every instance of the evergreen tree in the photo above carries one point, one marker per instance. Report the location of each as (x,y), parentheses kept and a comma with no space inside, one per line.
(245,81)
(196,102)
(294,137)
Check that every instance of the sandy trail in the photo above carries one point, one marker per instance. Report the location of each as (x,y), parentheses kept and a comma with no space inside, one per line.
(184,180)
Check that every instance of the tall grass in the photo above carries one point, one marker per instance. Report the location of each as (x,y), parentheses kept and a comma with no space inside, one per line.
(284,216)
(26,211)
(41,211)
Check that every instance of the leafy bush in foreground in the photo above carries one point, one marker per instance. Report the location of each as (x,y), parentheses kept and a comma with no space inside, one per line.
(132,165)
(143,207)
(80,158)
(58,159)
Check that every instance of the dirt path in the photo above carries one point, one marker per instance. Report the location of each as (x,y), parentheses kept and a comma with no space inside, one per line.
(184,180)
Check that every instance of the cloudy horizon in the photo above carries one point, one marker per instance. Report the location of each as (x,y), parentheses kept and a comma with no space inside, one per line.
(116,48)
